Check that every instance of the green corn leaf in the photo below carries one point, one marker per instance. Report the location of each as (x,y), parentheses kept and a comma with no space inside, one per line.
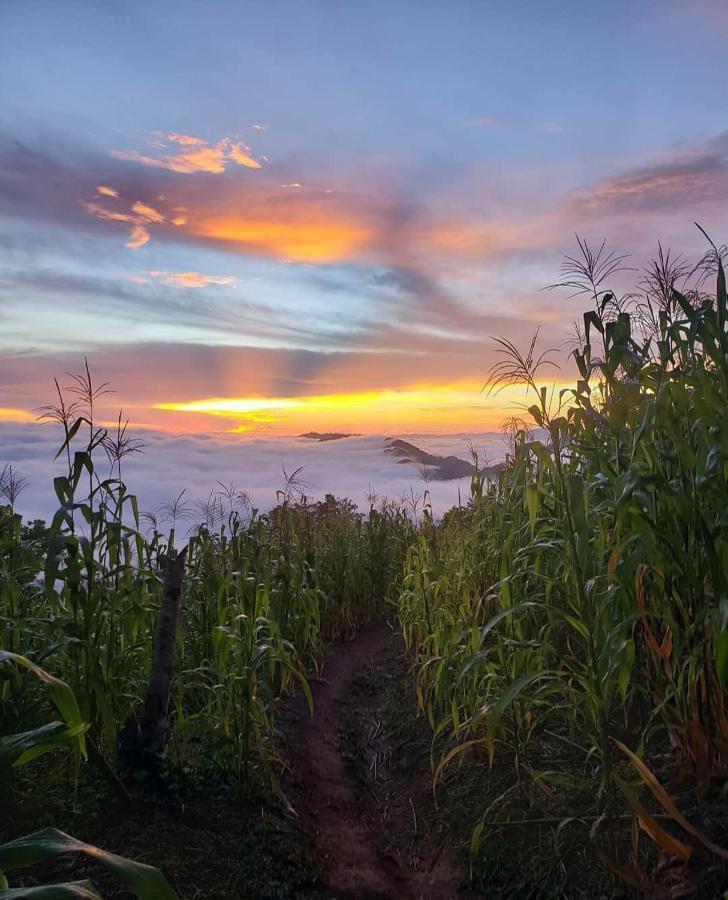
(61,694)
(501,614)
(145,881)
(18,749)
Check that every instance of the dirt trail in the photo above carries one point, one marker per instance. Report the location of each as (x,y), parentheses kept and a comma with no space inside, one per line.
(347,789)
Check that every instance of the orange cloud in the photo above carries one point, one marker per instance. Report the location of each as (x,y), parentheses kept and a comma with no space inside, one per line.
(147,213)
(184,163)
(101,212)
(196,155)
(192,279)
(106,191)
(138,237)
(315,238)
(141,213)
(240,153)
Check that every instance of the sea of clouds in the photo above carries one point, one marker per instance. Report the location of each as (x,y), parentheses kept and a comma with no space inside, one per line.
(352,467)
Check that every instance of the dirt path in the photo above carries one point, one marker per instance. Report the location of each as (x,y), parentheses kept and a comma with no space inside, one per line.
(355,800)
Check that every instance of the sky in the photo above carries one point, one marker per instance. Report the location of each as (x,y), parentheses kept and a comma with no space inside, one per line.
(264,219)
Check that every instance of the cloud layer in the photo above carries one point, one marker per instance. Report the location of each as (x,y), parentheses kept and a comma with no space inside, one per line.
(353,467)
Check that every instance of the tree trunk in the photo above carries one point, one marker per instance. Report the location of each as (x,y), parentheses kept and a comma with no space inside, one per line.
(154,729)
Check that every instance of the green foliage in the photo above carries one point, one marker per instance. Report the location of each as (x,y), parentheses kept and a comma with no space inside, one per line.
(21,748)
(584,594)
(144,881)
(262,595)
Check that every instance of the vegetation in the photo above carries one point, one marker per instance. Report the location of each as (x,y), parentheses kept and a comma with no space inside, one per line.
(574,616)
(19,749)
(568,627)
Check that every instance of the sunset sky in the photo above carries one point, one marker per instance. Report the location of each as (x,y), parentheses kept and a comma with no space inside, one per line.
(274,217)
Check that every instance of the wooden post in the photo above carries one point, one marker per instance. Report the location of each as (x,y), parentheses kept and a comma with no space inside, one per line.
(154,728)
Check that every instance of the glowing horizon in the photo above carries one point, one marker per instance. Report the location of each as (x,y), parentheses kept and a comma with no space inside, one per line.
(443,409)
(436,408)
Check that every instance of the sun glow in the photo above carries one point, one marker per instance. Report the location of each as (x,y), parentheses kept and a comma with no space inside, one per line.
(446,408)
(327,240)
(13,414)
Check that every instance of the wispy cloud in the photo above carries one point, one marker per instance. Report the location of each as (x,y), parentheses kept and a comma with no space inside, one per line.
(192,279)
(105,191)
(190,155)
(186,140)
(695,177)
(141,214)
(147,213)
(241,154)
(138,237)
(110,215)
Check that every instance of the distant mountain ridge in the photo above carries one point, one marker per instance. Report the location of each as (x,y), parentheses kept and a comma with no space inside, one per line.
(322,436)
(441,468)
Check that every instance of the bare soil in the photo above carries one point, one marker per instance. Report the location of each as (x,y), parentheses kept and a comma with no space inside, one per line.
(370,818)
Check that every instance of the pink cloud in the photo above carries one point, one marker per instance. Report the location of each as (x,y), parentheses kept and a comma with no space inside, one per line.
(695,176)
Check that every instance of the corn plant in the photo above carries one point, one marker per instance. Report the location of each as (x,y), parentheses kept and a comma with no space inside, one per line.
(582,594)
(143,881)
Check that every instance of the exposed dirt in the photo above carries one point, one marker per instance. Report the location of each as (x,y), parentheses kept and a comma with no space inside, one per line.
(370,817)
